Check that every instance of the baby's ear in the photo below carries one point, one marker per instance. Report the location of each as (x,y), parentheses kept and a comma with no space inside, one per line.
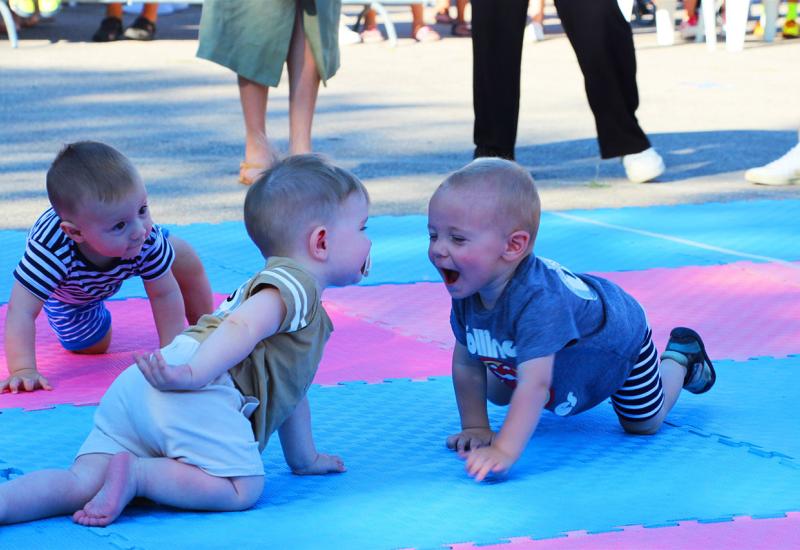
(517,245)
(72,231)
(318,243)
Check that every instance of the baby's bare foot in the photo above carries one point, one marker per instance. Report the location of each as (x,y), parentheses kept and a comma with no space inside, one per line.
(117,491)
(324,464)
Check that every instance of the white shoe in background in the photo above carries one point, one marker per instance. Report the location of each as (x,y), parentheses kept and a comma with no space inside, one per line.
(644,166)
(782,171)
(534,32)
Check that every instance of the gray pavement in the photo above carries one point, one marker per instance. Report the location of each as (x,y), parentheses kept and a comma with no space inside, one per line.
(401,118)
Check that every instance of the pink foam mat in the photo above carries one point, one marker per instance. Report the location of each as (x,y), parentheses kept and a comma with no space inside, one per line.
(741,533)
(742,310)
(357,351)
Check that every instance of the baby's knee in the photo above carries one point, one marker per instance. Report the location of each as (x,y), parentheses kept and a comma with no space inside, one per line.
(499,399)
(248,491)
(646,427)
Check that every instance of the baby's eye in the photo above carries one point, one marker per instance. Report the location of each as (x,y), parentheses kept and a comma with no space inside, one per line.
(457,239)
(363,228)
(432,236)
(119,227)
(143,210)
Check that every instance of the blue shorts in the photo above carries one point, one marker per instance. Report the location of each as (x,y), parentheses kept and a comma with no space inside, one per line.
(78,326)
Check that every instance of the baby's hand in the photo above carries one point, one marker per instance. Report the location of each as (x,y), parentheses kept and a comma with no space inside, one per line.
(470,439)
(324,464)
(488,459)
(25,380)
(162,376)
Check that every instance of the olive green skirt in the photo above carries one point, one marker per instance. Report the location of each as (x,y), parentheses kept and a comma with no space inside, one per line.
(251,37)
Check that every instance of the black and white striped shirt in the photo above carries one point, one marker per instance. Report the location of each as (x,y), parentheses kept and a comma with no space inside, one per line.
(53,267)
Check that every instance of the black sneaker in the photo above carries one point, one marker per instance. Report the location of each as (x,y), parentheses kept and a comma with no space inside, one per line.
(142,29)
(686,347)
(110,30)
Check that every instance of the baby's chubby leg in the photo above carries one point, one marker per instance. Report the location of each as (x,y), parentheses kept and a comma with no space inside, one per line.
(166,481)
(52,492)
(192,280)
(672,375)
(497,391)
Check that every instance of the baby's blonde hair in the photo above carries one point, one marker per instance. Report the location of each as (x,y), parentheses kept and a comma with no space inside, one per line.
(88,170)
(510,188)
(294,194)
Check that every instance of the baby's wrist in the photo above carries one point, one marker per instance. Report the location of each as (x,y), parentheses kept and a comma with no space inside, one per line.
(22,371)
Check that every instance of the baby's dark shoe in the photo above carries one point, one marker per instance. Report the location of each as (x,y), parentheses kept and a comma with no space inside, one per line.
(110,29)
(142,29)
(686,348)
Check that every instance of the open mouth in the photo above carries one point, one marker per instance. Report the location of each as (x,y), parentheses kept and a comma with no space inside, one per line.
(366,266)
(450,276)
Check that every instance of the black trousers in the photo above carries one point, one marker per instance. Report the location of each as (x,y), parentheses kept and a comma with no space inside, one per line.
(602,41)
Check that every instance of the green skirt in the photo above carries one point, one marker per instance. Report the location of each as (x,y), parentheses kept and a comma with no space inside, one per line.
(251,37)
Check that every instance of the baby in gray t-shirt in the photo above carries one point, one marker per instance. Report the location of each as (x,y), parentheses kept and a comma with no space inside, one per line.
(532,334)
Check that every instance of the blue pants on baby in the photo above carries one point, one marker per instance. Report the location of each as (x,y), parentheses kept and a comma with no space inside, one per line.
(78,326)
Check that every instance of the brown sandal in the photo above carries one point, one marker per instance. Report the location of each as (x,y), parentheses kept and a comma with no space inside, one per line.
(245,166)
(462,29)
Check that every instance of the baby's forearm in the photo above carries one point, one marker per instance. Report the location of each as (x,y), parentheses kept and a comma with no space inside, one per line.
(20,338)
(297,441)
(523,416)
(229,344)
(168,313)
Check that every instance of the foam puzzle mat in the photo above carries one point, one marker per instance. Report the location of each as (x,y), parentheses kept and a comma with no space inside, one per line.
(403,488)
(724,471)
(598,240)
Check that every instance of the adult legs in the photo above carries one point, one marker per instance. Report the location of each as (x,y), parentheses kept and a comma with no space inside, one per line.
(497,31)
(257,158)
(603,43)
(303,87)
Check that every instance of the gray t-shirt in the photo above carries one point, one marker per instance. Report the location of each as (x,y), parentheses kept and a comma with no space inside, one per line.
(594,328)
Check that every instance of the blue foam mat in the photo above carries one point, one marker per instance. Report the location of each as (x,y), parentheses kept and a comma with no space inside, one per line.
(403,488)
(761,227)
(764,228)
(753,403)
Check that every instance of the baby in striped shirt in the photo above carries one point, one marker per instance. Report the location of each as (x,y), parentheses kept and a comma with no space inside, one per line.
(185,426)
(97,233)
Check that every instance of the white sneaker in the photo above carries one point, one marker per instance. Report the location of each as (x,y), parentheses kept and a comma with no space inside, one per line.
(644,166)
(782,171)
(348,36)
(534,32)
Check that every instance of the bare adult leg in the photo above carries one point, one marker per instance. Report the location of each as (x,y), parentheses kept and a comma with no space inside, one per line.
(303,88)
(257,157)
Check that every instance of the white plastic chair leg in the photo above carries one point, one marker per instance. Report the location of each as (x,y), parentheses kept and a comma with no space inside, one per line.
(736,13)
(665,22)
(709,18)
(8,19)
